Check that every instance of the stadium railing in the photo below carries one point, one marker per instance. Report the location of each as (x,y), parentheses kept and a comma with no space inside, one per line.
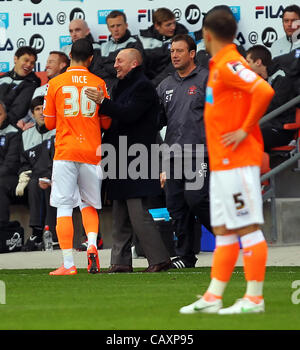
(291,151)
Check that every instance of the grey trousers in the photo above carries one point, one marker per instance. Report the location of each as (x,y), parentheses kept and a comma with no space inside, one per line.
(130,216)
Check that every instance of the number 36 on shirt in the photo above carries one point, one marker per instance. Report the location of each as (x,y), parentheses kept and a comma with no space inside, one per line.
(77,102)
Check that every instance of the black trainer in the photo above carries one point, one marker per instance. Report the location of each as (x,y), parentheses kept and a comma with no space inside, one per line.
(32,244)
(181,262)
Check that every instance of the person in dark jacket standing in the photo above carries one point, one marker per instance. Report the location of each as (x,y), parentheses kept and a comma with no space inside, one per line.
(36,143)
(134,108)
(156,41)
(10,141)
(119,39)
(18,85)
(182,97)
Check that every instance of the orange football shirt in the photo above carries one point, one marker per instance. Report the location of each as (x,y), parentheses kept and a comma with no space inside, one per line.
(75,117)
(236,97)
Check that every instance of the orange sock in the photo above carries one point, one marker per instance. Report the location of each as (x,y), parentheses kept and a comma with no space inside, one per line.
(65,231)
(225,257)
(255,251)
(90,219)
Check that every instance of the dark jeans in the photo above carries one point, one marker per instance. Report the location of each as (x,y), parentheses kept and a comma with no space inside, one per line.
(185,207)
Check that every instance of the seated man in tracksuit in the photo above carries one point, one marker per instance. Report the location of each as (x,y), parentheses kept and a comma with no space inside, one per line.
(35,149)
(10,141)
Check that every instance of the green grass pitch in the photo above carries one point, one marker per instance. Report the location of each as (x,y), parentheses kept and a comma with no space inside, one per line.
(139,301)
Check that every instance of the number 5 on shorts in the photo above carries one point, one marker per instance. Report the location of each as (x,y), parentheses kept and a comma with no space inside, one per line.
(239,202)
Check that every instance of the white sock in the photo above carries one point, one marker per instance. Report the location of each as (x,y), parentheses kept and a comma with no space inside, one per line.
(252,238)
(92,239)
(68,258)
(254,288)
(217,287)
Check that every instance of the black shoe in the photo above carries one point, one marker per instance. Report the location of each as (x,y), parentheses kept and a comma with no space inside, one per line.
(164,266)
(119,268)
(182,262)
(33,243)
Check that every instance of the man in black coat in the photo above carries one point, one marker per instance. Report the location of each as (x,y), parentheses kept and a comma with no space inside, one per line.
(134,108)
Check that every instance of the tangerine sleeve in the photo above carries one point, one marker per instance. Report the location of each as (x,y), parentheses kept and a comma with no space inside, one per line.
(105,121)
(260,100)
(238,76)
(49,108)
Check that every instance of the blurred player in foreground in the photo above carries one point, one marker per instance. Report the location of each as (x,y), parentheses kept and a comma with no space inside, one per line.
(76,176)
(236,98)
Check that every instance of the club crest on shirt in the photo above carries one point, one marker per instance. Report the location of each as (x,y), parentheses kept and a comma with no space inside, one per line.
(192,90)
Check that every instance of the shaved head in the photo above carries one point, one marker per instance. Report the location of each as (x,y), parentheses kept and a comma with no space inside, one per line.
(78,29)
(127,60)
(134,55)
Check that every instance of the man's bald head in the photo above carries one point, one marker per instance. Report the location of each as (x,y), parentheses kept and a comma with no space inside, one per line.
(126,60)
(134,55)
(78,29)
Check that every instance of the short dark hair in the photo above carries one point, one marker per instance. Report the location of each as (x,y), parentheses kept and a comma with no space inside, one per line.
(292,8)
(23,50)
(63,57)
(81,50)
(260,52)
(221,21)
(116,13)
(37,101)
(188,39)
(161,15)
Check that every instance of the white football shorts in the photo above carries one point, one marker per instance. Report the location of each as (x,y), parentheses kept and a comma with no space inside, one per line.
(235,197)
(74,183)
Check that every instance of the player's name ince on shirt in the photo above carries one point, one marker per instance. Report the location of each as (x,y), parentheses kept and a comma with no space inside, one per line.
(81,79)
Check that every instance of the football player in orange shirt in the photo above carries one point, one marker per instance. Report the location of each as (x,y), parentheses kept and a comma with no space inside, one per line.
(236,98)
(76,176)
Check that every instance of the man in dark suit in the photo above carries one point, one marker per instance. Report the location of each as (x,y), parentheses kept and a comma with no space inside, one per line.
(133,107)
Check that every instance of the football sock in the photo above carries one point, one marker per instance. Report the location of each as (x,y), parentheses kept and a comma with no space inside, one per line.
(65,232)
(64,228)
(92,239)
(68,258)
(90,220)
(255,251)
(224,260)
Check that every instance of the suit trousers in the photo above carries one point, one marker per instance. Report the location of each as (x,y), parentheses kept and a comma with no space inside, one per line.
(132,216)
